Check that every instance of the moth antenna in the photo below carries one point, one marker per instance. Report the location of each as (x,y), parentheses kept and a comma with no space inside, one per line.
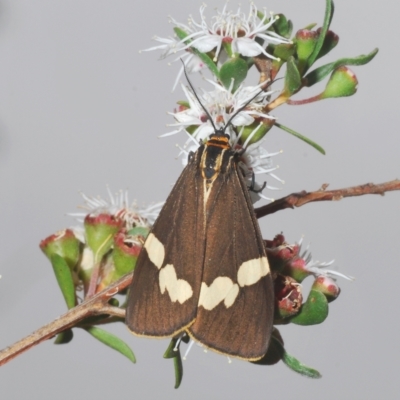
(240,110)
(197,97)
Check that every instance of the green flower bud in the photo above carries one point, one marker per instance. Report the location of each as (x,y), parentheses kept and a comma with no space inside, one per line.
(63,243)
(305,45)
(342,82)
(100,230)
(126,250)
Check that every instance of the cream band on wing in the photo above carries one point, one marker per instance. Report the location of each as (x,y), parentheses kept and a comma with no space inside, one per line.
(224,289)
(178,289)
(250,272)
(155,250)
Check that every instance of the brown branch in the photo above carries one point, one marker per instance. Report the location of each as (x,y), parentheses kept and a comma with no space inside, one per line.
(301,198)
(95,305)
(98,304)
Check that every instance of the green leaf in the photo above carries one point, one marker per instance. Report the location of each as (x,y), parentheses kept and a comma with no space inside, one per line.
(112,341)
(171,352)
(174,353)
(178,367)
(327,21)
(309,27)
(257,130)
(298,367)
(203,56)
(64,337)
(277,352)
(313,311)
(330,42)
(320,73)
(283,26)
(301,137)
(234,70)
(183,103)
(64,279)
(292,77)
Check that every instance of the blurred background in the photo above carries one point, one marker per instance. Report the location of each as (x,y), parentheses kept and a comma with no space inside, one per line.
(81,108)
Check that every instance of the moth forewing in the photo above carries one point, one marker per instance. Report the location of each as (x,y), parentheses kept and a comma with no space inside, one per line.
(166,283)
(203,268)
(236,303)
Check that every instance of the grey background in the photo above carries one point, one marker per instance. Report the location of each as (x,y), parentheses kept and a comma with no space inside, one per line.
(81,108)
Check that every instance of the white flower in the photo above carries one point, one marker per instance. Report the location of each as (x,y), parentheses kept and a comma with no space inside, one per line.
(231,111)
(234,28)
(192,63)
(221,105)
(119,206)
(318,268)
(239,30)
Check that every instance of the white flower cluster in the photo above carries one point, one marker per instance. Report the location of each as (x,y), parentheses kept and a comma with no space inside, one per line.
(119,206)
(242,32)
(318,268)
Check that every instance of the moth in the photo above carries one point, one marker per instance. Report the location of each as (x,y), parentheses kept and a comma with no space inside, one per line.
(203,269)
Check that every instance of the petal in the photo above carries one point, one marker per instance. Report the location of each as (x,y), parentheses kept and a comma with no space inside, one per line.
(206,43)
(194,64)
(247,47)
(242,119)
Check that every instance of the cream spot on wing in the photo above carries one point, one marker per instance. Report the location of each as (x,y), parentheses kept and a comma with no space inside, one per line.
(231,296)
(222,289)
(178,289)
(155,250)
(250,272)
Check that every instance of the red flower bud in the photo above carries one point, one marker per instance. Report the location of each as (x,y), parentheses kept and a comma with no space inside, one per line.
(327,286)
(288,297)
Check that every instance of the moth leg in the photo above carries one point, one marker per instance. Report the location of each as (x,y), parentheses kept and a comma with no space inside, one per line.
(252,186)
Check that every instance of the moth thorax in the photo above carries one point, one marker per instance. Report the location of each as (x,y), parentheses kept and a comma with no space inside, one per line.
(212,161)
(219,139)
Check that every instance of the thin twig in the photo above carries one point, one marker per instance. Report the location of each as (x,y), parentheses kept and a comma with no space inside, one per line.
(95,305)
(98,304)
(301,198)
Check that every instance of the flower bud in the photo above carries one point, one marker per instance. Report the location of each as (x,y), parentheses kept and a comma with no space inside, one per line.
(327,286)
(297,269)
(100,230)
(305,44)
(288,297)
(279,252)
(127,247)
(342,83)
(65,244)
